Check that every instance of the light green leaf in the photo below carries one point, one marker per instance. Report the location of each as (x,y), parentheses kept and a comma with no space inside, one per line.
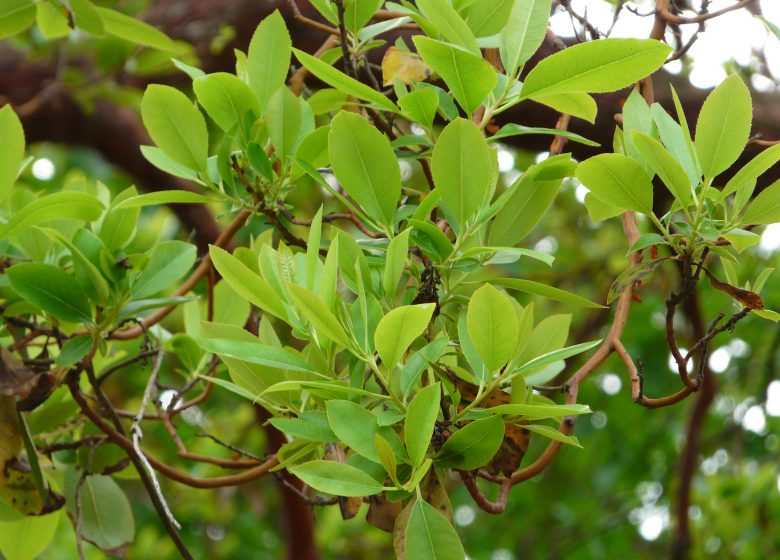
(524,32)
(665,165)
(552,433)
(106,518)
(86,17)
(765,208)
(338,479)
(248,284)
(461,169)
(313,251)
(162,197)
(51,289)
(256,353)
(365,165)
(512,129)
(490,313)
(134,30)
(176,126)
(773,316)
(420,105)
(595,67)
(52,21)
(619,181)
(420,361)
(27,538)
(342,82)
(269,57)
(395,261)
(16,16)
(576,104)
(469,76)
(226,99)
(398,329)
(741,239)
(160,160)
(168,262)
(486,18)
(118,225)
(441,15)
(723,126)
(599,210)
(531,287)
(318,314)
(420,420)
(285,119)
(474,445)
(554,356)
(312,425)
(677,142)
(12,140)
(431,536)
(353,425)
(752,170)
(63,205)
(357,13)
(541,410)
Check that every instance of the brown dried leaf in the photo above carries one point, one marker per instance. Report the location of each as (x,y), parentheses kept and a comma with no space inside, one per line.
(382,513)
(17,380)
(749,299)
(509,456)
(399,532)
(349,507)
(433,492)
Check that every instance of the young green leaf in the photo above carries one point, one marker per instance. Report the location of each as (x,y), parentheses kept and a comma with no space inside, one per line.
(168,262)
(176,126)
(676,141)
(12,138)
(285,119)
(420,105)
(461,169)
(576,104)
(51,289)
(338,479)
(226,99)
(395,261)
(619,181)
(665,165)
(134,30)
(52,22)
(765,208)
(552,433)
(354,425)
(523,33)
(474,445)
(595,67)
(365,165)
(469,76)
(752,170)
(256,353)
(420,361)
(318,314)
(430,535)
(64,205)
(16,16)
(540,289)
(398,329)
(443,16)
(420,420)
(723,126)
(490,320)
(268,60)
(162,197)
(87,18)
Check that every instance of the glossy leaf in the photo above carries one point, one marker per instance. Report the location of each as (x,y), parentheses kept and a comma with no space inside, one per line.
(318,314)
(226,99)
(16,16)
(474,445)
(446,20)
(338,479)
(619,181)
(491,318)
(168,262)
(765,208)
(665,165)
(51,289)
(268,59)
(430,535)
(420,420)
(134,30)
(398,329)
(12,139)
(540,289)
(523,33)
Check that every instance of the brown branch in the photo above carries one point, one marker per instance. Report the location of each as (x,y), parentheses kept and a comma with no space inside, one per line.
(670,17)
(494,508)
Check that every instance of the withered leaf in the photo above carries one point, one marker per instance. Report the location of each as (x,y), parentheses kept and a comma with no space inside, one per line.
(403,65)
(17,380)
(399,531)
(509,456)
(382,513)
(433,492)
(630,276)
(749,299)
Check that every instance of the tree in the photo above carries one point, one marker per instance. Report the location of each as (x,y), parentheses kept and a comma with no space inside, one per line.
(371,298)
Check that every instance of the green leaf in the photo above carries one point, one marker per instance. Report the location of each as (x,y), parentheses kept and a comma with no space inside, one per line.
(134,30)
(342,82)
(12,139)
(119,225)
(723,126)
(357,13)
(644,241)
(51,289)
(595,67)
(168,262)
(398,329)
(523,33)
(599,210)
(431,536)
(420,361)
(528,198)
(461,169)
(311,425)
(176,126)
(469,77)
(554,356)
(226,99)
(87,273)
(27,538)
(765,208)
(531,287)
(106,518)
(665,165)
(160,160)
(420,420)
(474,445)
(773,316)
(512,129)
(163,197)
(677,142)
(256,353)
(268,59)
(52,21)
(16,16)
(318,314)
(285,119)
(491,319)
(313,251)
(420,105)
(441,15)
(486,18)
(353,425)
(365,165)
(395,261)
(63,205)
(576,104)
(74,350)
(741,239)
(552,433)
(619,181)
(87,18)
(541,410)
(338,479)
(752,170)
(248,284)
